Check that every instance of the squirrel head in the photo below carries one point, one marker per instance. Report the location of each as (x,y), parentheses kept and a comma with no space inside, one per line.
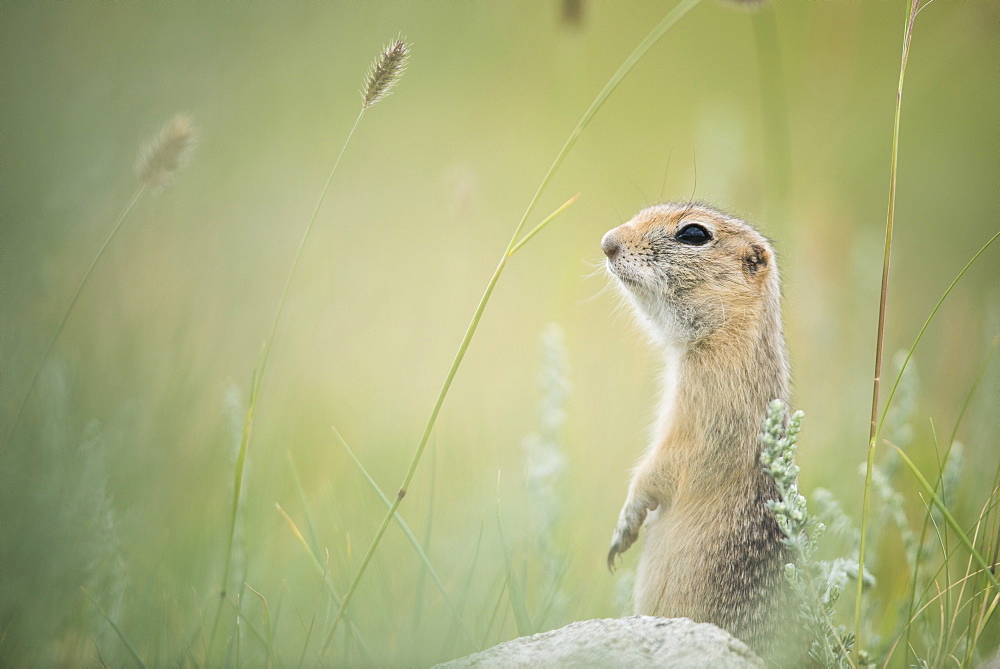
(697,276)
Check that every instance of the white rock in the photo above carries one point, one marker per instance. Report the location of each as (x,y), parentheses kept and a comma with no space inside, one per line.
(638,641)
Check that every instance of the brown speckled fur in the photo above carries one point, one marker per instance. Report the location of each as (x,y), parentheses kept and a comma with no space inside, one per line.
(713,550)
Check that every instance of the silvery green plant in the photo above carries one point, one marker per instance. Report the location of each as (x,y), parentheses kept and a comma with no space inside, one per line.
(544,457)
(545,461)
(815,585)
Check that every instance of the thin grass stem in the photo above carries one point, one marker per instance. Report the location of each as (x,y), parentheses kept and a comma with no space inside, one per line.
(258,375)
(916,614)
(659,31)
(323,569)
(968,398)
(452,371)
(409,535)
(774,111)
(136,196)
(943,508)
(890,219)
(538,228)
(128,644)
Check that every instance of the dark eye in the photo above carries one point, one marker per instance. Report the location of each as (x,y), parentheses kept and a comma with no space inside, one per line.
(693,234)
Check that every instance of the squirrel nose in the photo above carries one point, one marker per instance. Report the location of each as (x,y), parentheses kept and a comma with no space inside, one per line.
(610,246)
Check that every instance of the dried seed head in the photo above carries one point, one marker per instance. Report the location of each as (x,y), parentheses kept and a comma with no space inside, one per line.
(166,153)
(749,5)
(385,72)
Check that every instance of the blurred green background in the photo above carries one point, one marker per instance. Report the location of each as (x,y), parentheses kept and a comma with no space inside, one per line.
(118,477)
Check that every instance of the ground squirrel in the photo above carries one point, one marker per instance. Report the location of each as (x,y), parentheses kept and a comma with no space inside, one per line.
(705,285)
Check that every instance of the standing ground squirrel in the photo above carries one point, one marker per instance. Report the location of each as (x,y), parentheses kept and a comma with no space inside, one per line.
(706,287)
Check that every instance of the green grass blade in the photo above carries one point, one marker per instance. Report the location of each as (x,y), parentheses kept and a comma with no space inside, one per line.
(515,594)
(128,644)
(268,638)
(238,474)
(880,336)
(439,402)
(245,621)
(661,29)
(310,524)
(672,17)
(69,309)
(324,572)
(261,368)
(956,528)
(538,228)
(923,328)
(409,535)
(466,589)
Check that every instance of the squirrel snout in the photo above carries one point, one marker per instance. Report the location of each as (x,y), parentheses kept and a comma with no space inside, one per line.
(610,245)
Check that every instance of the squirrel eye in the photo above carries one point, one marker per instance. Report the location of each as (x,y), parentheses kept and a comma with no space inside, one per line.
(694,235)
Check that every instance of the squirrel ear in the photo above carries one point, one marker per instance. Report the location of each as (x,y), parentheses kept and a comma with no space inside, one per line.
(755,259)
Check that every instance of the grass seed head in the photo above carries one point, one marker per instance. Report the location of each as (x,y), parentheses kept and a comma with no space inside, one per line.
(385,72)
(166,153)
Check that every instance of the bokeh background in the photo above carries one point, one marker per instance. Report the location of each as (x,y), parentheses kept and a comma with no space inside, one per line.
(117,481)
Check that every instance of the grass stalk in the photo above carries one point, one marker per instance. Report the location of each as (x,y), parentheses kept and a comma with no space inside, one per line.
(297,480)
(258,376)
(456,362)
(410,536)
(774,111)
(946,514)
(466,589)
(128,644)
(322,569)
(156,165)
(382,76)
(890,219)
(672,17)
(951,440)
(136,196)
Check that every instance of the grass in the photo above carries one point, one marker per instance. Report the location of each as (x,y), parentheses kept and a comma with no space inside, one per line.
(298,531)
(382,76)
(515,243)
(156,166)
(878,422)
(883,295)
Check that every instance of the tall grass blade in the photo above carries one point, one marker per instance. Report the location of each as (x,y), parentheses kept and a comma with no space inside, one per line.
(324,572)
(890,219)
(951,441)
(659,31)
(268,630)
(238,473)
(672,17)
(456,362)
(943,508)
(466,589)
(411,537)
(310,524)
(383,75)
(128,644)
(538,228)
(69,309)
(158,161)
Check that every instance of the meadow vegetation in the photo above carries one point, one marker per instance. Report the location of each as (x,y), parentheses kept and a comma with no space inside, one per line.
(242,424)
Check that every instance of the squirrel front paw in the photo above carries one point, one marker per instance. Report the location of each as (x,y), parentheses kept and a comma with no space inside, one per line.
(630,519)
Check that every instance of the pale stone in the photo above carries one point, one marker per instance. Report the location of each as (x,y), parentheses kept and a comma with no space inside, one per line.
(638,641)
